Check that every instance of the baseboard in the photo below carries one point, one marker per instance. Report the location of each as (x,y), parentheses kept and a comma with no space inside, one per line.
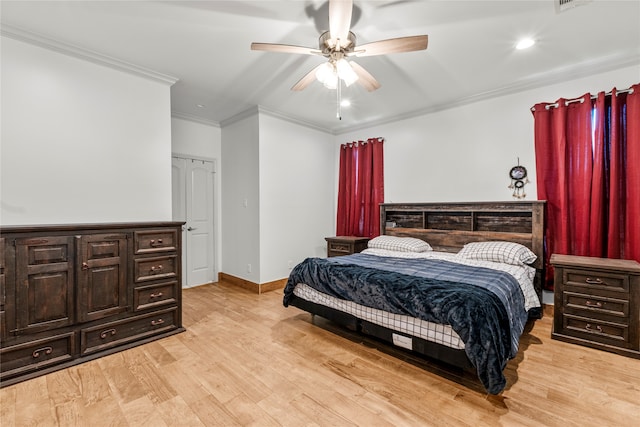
(257,288)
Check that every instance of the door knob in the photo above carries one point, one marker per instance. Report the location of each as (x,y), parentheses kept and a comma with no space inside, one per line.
(191,228)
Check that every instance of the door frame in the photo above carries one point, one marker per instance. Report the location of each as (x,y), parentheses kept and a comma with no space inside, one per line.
(216,214)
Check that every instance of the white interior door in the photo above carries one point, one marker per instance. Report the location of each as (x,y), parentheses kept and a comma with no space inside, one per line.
(192,182)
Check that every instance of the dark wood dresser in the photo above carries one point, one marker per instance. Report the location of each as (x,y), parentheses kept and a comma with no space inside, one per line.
(345,245)
(597,303)
(72,293)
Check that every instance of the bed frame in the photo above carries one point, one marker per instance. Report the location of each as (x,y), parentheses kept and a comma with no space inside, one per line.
(447,227)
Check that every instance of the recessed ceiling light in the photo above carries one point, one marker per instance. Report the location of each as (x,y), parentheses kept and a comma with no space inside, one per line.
(345,103)
(525,43)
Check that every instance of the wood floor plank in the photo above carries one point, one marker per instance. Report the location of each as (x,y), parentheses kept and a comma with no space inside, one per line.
(245,360)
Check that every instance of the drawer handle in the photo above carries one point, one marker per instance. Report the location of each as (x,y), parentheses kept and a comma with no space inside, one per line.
(596,304)
(107,333)
(158,295)
(156,269)
(154,243)
(46,350)
(157,322)
(595,281)
(590,328)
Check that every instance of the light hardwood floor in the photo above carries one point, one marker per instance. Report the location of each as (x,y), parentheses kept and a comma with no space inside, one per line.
(247,360)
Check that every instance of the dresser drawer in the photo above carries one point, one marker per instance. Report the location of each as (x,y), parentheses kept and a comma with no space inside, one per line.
(596,280)
(154,241)
(596,306)
(112,334)
(596,330)
(155,268)
(37,354)
(155,295)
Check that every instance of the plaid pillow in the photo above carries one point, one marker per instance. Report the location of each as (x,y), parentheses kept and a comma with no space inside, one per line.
(399,244)
(505,252)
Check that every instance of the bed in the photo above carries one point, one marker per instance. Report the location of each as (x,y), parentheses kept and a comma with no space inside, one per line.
(456,282)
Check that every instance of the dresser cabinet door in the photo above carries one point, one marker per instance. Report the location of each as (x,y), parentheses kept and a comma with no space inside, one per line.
(102,276)
(44,283)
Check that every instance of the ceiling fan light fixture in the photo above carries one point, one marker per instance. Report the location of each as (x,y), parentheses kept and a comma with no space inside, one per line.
(345,72)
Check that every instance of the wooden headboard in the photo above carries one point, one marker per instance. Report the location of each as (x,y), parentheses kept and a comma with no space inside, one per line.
(448,226)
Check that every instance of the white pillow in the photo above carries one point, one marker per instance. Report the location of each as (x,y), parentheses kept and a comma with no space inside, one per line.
(505,252)
(399,244)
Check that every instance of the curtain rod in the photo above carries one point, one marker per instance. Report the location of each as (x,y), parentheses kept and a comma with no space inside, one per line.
(581,99)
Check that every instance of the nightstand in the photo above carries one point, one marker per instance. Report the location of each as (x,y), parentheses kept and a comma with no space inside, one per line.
(345,245)
(597,303)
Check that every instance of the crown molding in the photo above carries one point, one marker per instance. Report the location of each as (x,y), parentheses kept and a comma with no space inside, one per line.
(559,75)
(84,54)
(251,111)
(282,116)
(196,119)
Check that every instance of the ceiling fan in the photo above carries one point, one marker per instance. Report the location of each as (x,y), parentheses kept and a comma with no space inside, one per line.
(338,44)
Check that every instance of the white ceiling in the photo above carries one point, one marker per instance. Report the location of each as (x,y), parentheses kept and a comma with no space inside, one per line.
(471,56)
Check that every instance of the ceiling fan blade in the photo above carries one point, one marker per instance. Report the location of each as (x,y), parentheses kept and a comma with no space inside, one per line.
(284,48)
(306,80)
(365,79)
(401,44)
(340,20)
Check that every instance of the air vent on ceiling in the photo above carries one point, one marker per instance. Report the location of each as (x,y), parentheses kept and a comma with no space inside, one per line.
(564,5)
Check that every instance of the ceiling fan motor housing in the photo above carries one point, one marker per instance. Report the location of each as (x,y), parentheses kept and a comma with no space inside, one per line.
(328,46)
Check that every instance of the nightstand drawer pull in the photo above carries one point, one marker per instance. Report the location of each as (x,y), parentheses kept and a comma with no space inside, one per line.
(156,269)
(46,350)
(158,295)
(596,304)
(157,322)
(589,328)
(595,281)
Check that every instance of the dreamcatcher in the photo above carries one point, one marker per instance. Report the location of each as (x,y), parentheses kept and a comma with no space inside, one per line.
(518,175)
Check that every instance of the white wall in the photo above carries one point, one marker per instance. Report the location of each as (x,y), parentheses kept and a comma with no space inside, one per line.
(195,140)
(240,199)
(297,183)
(81,142)
(465,153)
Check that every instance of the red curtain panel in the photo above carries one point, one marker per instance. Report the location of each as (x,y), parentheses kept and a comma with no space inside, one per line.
(588,169)
(360,188)
(632,216)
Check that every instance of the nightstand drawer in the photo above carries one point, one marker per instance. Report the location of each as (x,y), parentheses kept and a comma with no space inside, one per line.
(596,280)
(595,306)
(340,247)
(596,330)
(345,245)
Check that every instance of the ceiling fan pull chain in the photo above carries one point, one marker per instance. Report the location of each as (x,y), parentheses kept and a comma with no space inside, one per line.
(339,99)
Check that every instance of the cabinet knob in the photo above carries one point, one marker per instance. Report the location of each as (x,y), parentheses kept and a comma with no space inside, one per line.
(85,266)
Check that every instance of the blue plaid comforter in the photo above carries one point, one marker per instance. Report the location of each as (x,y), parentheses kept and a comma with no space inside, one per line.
(485,307)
